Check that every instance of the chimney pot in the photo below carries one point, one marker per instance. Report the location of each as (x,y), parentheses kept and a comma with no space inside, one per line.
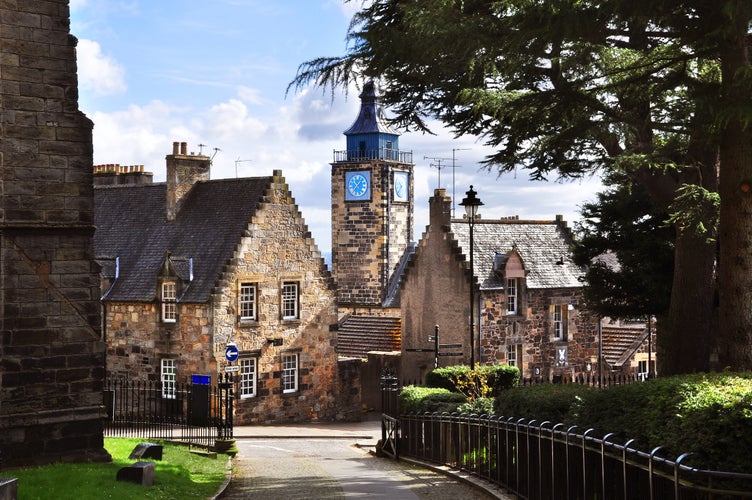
(175,146)
(183,148)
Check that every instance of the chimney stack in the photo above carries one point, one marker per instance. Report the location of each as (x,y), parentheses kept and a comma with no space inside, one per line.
(183,171)
(440,208)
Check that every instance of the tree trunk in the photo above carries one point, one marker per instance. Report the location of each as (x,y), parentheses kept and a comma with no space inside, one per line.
(685,339)
(735,269)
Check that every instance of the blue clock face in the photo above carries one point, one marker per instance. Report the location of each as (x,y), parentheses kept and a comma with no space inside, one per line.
(357,186)
(400,186)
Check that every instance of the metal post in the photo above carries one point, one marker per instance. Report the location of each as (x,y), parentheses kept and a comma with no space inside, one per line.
(436,346)
(472,299)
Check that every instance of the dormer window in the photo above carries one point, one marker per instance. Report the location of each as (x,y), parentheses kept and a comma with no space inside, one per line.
(512,296)
(169,302)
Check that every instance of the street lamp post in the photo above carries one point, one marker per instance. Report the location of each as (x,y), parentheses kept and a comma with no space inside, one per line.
(471,204)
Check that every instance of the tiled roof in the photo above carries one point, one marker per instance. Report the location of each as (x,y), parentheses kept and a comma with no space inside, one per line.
(359,335)
(620,344)
(131,225)
(542,245)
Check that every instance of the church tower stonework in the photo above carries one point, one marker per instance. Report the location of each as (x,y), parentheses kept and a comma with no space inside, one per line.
(51,346)
(372,207)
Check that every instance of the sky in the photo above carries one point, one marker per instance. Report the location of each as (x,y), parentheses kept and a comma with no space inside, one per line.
(215,74)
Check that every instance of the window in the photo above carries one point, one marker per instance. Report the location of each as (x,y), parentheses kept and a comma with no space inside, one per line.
(512,296)
(168,375)
(289,373)
(560,321)
(290,300)
(514,355)
(247,298)
(642,369)
(247,378)
(169,305)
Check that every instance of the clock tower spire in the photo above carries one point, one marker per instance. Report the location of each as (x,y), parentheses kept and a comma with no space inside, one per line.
(372,207)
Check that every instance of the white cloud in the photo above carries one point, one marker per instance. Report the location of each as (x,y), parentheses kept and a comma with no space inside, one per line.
(97,71)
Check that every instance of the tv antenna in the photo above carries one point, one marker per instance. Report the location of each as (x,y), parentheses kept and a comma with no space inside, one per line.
(438,165)
(201,148)
(236,165)
(453,168)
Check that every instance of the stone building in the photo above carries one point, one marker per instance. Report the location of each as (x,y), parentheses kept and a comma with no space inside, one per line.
(372,227)
(51,348)
(194,264)
(528,305)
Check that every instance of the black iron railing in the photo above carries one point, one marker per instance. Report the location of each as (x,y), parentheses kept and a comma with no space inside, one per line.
(193,413)
(542,460)
(384,154)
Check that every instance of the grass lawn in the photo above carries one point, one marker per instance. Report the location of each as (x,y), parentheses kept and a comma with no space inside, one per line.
(180,474)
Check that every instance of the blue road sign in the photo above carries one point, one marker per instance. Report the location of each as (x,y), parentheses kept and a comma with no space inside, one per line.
(231,353)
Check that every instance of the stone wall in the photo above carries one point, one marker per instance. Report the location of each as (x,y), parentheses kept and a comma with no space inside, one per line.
(533,329)
(368,237)
(435,292)
(137,341)
(51,350)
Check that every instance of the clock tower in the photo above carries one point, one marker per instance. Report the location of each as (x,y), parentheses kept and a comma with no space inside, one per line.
(372,207)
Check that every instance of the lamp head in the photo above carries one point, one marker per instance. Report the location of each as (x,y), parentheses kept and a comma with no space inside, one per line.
(471,203)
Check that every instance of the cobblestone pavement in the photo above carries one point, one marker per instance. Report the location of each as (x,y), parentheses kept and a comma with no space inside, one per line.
(322,461)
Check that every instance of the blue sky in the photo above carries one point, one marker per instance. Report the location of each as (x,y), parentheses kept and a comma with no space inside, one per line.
(216,72)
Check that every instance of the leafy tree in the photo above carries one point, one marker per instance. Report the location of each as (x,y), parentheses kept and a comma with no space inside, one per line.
(659,90)
(627,245)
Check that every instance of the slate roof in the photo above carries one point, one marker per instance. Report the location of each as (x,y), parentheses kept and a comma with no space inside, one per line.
(620,343)
(542,245)
(359,335)
(371,117)
(131,225)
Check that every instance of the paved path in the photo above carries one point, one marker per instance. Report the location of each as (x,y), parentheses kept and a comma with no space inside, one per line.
(321,461)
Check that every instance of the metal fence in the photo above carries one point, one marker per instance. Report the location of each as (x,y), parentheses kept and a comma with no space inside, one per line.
(550,461)
(198,414)
(543,460)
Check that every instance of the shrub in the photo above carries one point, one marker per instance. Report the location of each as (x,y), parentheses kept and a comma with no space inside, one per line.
(709,415)
(484,381)
(415,399)
(554,403)
(478,406)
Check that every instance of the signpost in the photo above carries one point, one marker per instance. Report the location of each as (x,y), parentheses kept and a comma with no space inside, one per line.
(437,346)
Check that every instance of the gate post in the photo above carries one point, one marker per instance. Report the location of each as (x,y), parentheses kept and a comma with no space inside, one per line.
(225,440)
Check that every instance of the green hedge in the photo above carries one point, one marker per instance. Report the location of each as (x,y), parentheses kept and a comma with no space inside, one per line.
(415,399)
(709,415)
(484,381)
(553,402)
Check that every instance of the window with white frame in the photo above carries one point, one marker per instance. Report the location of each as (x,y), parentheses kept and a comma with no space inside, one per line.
(643,369)
(247,299)
(248,377)
(289,373)
(169,304)
(560,321)
(514,355)
(290,302)
(168,375)
(511,295)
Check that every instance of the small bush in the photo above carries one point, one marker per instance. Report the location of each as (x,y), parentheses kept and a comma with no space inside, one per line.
(415,399)
(484,381)
(478,406)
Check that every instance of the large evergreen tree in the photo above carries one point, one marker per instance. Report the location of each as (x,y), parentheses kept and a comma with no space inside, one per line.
(659,89)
